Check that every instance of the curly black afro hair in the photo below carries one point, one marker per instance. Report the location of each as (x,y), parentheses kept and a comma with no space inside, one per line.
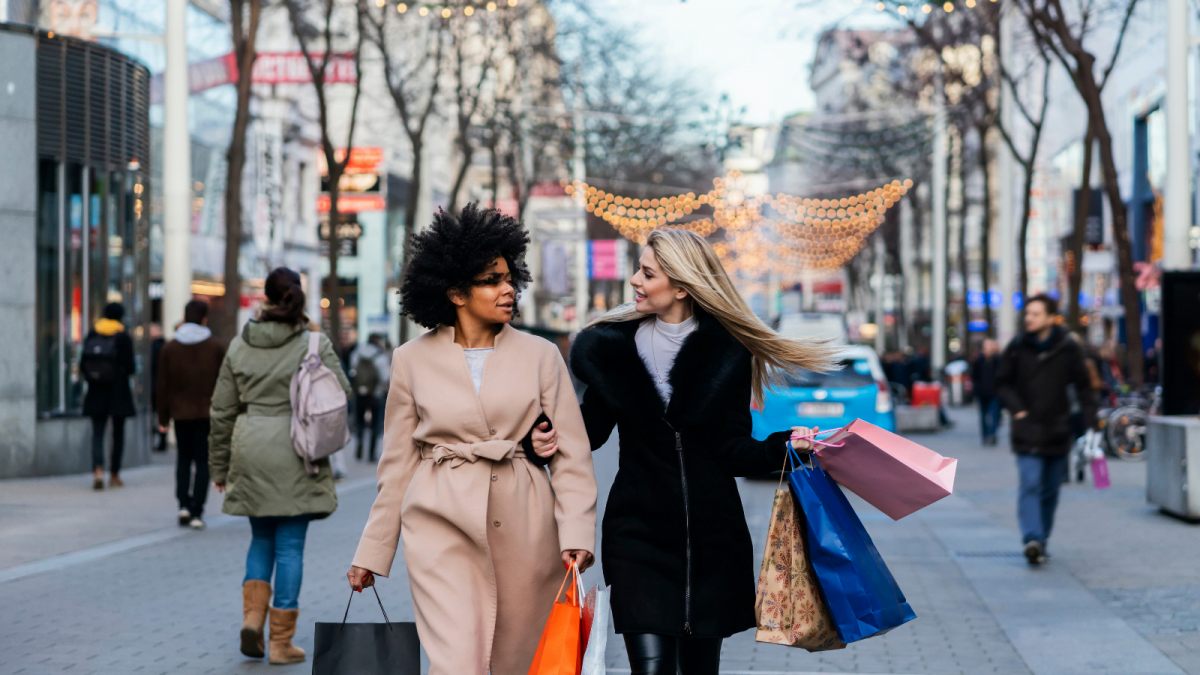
(451,252)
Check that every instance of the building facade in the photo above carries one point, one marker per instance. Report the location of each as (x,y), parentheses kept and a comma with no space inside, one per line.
(75,217)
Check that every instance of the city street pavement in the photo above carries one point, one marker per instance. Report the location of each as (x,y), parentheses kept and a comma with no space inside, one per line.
(107,583)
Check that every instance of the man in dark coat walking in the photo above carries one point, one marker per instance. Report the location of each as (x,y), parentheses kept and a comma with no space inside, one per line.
(187,375)
(107,363)
(983,379)
(1042,378)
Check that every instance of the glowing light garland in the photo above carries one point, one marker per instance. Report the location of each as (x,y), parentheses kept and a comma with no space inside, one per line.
(448,9)
(805,233)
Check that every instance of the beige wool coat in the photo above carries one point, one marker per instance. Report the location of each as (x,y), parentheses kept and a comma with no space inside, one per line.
(483,532)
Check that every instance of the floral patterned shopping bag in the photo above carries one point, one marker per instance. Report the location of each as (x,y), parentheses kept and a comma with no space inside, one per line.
(789,607)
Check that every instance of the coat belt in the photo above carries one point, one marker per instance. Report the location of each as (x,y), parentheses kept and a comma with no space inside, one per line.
(460,453)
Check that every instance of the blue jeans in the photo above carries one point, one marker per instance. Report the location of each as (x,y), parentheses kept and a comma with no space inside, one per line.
(1041,478)
(277,544)
(989,416)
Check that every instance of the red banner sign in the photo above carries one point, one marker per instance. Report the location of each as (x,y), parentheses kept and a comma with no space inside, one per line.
(269,68)
(353,203)
(292,68)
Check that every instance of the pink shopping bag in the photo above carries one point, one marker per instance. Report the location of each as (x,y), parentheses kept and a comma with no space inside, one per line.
(890,472)
(1100,472)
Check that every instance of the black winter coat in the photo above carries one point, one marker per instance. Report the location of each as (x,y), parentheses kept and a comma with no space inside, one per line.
(1037,379)
(677,552)
(116,399)
(983,375)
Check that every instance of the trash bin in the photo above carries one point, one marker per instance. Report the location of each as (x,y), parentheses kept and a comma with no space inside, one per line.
(1173,465)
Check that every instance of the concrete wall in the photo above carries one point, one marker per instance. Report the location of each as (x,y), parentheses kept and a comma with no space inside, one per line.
(64,445)
(18,254)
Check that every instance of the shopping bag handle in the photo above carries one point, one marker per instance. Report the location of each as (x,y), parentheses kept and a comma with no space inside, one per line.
(795,457)
(578,585)
(812,437)
(385,616)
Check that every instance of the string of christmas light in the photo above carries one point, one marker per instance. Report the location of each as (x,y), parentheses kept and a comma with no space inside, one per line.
(903,9)
(447,10)
(805,232)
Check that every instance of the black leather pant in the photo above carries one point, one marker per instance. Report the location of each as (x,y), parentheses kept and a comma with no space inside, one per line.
(651,654)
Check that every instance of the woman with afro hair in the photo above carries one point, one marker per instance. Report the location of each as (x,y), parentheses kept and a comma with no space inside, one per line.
(485,537)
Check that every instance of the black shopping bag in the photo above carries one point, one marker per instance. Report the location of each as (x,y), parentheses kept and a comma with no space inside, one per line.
(366,648)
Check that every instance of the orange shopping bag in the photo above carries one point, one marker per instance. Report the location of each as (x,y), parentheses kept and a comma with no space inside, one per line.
(560,651)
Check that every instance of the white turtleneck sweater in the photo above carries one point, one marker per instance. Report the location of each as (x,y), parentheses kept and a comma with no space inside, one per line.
(658,343)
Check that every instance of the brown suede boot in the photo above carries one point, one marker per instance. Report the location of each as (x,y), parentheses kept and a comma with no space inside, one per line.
(283,627)
(256,596)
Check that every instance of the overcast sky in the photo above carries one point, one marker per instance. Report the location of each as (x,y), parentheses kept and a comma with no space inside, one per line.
(757,51)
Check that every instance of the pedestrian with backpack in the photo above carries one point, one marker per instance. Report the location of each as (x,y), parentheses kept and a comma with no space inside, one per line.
(107,363)
(370,367)
(187,374)
(277,395)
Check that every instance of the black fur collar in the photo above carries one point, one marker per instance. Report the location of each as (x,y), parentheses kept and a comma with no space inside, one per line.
(710,361)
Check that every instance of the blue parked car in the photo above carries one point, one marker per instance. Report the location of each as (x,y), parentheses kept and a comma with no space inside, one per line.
(858,390)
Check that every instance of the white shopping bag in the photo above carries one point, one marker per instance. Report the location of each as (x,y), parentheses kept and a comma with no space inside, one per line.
(595,630)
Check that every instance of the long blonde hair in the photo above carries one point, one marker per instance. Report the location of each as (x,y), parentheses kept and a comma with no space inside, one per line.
(692,264)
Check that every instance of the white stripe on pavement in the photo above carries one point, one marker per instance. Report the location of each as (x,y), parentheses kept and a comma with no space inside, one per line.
(64,560)
(757,672)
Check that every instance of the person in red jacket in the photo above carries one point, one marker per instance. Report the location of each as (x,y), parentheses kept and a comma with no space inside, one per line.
(187,374)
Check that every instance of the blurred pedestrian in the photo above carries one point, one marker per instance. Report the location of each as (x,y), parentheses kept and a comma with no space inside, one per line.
(258,468)
(107,363)
(983,383)
(1150,364)
(187,374)
(485,536)
(1042,376)
(370,373)
(919,366)
(675,373)
(159,443)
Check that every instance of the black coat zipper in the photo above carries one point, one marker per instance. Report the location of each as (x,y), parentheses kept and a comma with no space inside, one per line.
(687,527)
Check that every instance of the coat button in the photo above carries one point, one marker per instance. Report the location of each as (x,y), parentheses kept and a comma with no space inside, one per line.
(493,431)
(496,523)
(494,478)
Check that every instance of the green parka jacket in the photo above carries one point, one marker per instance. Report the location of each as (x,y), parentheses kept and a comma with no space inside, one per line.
(250,444)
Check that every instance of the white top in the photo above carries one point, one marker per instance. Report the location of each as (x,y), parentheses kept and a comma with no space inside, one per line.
(476,358)
(658,343)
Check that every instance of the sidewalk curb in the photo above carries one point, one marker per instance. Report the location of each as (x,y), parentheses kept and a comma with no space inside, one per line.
(65,560)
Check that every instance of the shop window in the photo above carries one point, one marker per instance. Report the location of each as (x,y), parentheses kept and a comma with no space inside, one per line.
(75,270)
(49,301)
(97,250)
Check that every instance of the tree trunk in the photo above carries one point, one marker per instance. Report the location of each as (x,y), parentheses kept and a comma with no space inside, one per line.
(410,223)
(985,230)
(464,146)
(494,150)
(1084,78)
(244,40)
(1023,238)
(333,285)
(1082,208)
(1129,292)
(964,318)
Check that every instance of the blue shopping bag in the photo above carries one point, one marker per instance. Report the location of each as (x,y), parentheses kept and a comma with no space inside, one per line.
(861,593)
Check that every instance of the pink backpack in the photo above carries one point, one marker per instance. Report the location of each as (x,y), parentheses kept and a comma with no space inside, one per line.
(319,409)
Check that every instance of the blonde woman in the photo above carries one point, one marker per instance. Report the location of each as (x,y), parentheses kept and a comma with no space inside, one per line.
(485,537)
(675,372)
